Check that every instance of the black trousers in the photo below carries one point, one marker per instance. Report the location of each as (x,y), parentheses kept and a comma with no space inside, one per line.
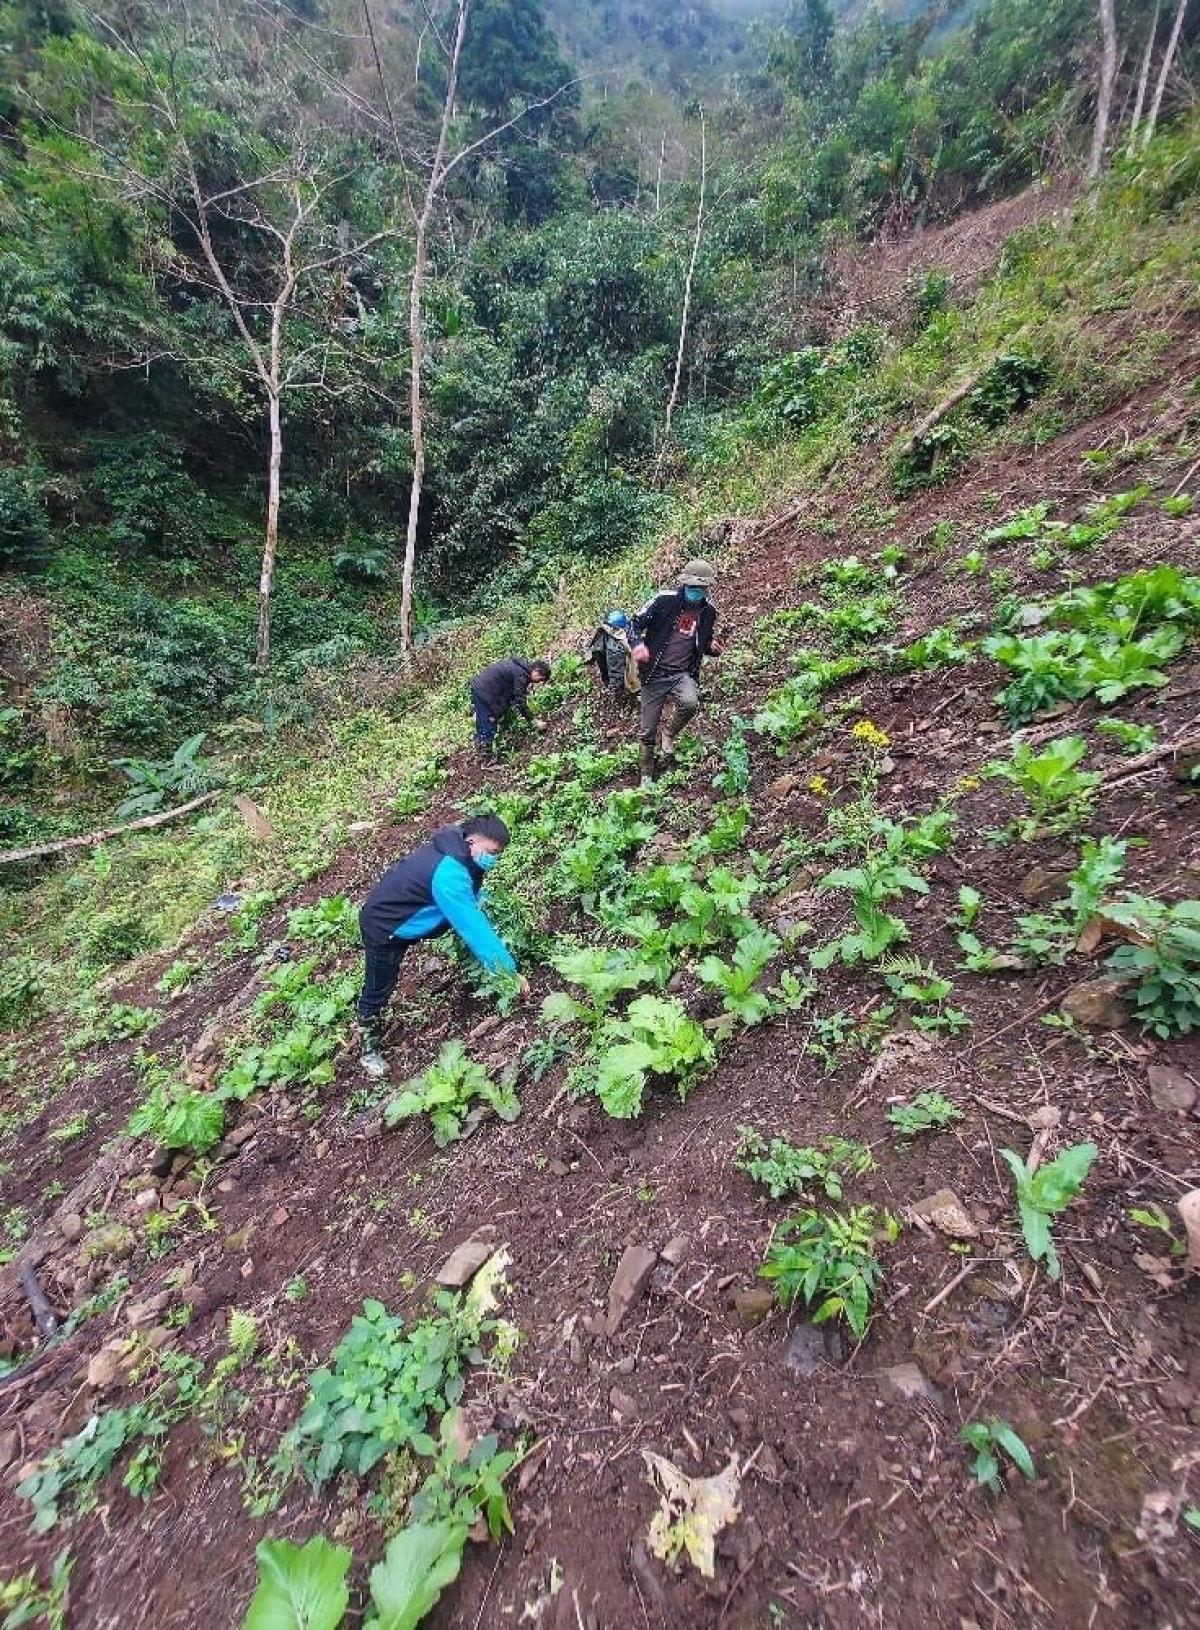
(380,973)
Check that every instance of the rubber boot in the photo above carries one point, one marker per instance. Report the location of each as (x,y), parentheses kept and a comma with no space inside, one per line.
(372,1061)
(646,765)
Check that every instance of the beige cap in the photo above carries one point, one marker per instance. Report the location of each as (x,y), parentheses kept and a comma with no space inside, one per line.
(697,574)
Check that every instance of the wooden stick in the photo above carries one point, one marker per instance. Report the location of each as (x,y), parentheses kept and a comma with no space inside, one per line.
(43,1313)
(93,838)
(1145,761)
(945,406)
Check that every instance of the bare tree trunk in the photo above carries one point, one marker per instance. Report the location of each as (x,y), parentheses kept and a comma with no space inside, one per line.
(1108,73)
(662,154)
(1143,81)
(266,578)
(416,288)
(687,294)
(1164,72)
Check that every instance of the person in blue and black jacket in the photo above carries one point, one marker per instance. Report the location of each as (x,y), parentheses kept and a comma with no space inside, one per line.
(431,891)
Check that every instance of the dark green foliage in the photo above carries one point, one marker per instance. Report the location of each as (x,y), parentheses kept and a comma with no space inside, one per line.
(24,525)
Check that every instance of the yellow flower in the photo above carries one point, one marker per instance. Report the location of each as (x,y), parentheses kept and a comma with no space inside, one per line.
(969,783)
(870,734)
(819,785)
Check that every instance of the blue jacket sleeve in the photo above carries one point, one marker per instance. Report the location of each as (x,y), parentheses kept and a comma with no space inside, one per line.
(455,899)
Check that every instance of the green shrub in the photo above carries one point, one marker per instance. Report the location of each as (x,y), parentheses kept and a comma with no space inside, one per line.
(24,525)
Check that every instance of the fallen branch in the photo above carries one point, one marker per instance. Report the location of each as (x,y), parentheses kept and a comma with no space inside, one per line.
(93,838)
(946,406)
(1148,761)
(43,1313)
(792,514)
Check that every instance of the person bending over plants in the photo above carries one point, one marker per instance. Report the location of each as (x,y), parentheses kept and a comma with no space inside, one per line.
(674,631)
(501,688)
(431,891)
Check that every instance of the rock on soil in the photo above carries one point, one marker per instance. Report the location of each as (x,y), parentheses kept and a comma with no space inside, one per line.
(1098,1004)
(465,1261)
(628,1283)
(1171,1090)
(946,1212)
(753,1305)
(811,1346)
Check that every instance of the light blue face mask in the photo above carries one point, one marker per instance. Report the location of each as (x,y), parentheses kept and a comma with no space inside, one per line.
(486,860)
(695,597)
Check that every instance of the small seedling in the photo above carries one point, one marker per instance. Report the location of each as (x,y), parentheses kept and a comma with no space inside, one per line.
(986,1437)
(1041,1195)
(786,1170)
(829,1260)
(927,1112)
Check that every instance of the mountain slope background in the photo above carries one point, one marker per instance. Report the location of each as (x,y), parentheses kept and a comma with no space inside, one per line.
(916,523)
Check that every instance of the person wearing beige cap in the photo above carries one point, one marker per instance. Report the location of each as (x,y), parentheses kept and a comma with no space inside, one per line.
(674,631)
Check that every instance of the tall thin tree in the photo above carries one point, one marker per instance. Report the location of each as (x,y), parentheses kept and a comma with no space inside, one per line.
(1108,74)
(1164,72)
(438,170)
(689,280)
(1143,81)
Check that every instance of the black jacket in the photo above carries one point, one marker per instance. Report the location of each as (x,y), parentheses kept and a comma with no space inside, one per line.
(503,685)
(654,624)
(406,888)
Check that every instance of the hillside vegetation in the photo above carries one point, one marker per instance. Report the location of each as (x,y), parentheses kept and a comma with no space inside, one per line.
(810,1245)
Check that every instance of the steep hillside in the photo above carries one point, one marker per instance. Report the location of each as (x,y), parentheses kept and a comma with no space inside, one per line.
(934,835)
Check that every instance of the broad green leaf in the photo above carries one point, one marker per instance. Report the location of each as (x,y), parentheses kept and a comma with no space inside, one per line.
(420,1561)
(1059,1181)
(1014,1446)
(300,1587)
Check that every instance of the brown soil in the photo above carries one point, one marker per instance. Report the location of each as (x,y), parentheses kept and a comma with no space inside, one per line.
(856,1505)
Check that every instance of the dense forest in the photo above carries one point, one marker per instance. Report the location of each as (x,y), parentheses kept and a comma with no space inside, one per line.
(207,216)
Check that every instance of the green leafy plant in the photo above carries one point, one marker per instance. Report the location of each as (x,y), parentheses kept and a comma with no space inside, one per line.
(1129,737)
(1101,865)
(381,1386)
(736,980)
(179,1116)
(447,1091)
(880,876)
(1041,1195)
(986,1437)
(335,918)
(118,1021)
(176,979)
(829,1260)
(603,974)
(1055,790)
(184,775)
(461,1488)
(654,1038)
(927,1112)
(786,1170)
(300,1587)
(1162,962)
(420,1561)
(73,1470)
(919,983)
(733,779)
(24,1601)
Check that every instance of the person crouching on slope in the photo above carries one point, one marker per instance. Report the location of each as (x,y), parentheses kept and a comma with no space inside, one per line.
(500,688)
(431,891)
(674,631)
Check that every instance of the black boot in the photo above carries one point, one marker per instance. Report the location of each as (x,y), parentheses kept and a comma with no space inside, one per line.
(646,764)
(372,1060)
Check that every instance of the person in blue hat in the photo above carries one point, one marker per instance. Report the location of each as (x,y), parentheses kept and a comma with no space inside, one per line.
(610,650)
